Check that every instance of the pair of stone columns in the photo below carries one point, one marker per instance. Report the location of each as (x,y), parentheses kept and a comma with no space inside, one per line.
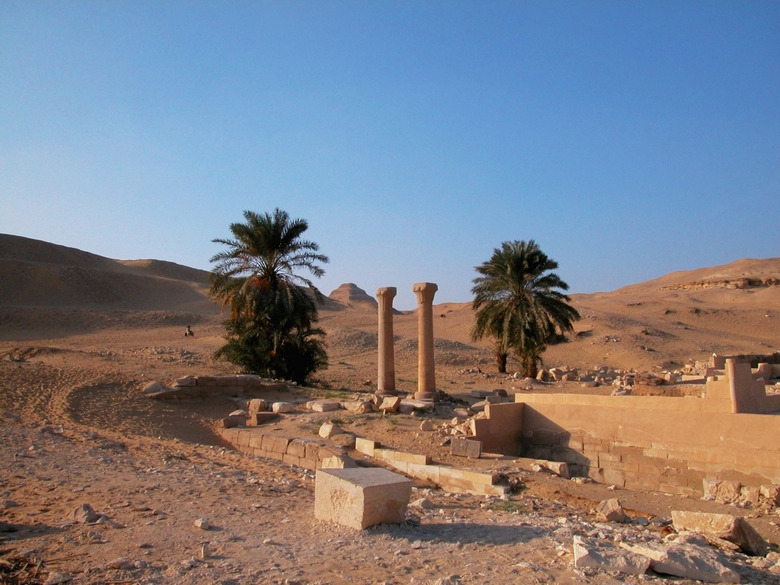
(426,373)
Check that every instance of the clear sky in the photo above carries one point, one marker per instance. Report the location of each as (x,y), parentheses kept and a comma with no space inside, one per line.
(629,139)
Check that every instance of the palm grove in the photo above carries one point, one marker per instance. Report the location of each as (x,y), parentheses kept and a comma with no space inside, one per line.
(272,309)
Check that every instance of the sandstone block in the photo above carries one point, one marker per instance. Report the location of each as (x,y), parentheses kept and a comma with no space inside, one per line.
(361,497)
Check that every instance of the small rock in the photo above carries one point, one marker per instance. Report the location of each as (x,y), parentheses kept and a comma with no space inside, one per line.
(282,407)
(55,578)
(611,510)
(121,564)
(84,514)
(202,523)
(329,429)
(427,425)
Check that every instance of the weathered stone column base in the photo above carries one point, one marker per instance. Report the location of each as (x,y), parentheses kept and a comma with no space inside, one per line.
(434,396)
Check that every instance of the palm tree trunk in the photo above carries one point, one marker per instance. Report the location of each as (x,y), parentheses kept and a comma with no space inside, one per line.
(501,361)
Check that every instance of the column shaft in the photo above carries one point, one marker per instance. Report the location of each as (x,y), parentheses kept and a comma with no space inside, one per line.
(386,368)
(426,372)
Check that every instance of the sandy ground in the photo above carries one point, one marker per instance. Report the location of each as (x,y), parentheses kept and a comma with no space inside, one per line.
(76,430)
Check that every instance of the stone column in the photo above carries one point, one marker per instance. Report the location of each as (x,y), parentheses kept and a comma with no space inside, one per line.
(426,373)
(385,382)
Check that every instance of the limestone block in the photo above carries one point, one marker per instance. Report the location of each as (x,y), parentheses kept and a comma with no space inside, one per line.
(338,462)
(282,407)
(186,381)
(297,448)
(358,406)
(466,447)
(728,491)
(390,404)
(329,429)
(771,493)
(234,420)
(602,555)
(365,446)
(361,497)
(257,405)
(324,405)
(154,388)
(732,528)
(687,560)
(346,440)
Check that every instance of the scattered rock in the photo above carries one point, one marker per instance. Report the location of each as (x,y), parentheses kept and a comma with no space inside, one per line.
(202,523)
(611,511)
(590,553)
(329,429)
(84,514)
(282,407)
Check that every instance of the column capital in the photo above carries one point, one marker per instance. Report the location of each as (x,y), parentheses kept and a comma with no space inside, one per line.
(424,286)
(386,291)
(424,291)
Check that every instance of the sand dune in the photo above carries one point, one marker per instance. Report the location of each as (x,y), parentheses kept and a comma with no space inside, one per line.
(49,290)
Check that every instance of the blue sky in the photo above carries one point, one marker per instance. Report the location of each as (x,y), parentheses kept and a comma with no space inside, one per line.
(629,139)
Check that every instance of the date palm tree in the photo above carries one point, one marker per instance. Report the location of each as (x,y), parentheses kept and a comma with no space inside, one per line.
(518,303)
(272,308)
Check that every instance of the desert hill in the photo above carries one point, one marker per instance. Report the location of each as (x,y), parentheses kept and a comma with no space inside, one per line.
(52,291)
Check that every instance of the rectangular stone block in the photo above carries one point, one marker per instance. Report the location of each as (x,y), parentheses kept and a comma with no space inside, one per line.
(312,450)
(260,418)
(297,448)
(365,446)
(256,441)
(361,497)
(466,447)
(280,445)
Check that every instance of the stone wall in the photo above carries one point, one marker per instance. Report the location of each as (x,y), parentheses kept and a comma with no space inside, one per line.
(645,442)
(651,442)
(305,453)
